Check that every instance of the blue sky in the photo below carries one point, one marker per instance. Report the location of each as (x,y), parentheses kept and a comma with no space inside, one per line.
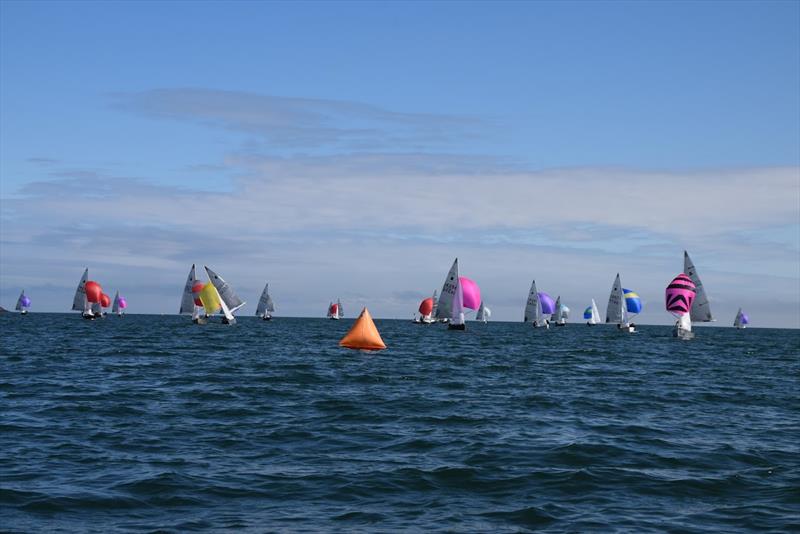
(354,149)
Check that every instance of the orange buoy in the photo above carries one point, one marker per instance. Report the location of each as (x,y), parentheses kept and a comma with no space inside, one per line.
(363,335)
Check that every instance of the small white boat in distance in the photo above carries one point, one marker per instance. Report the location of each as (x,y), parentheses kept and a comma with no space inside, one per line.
(562,313)
(483,313)
(616,311)
(742,320)
(265,305)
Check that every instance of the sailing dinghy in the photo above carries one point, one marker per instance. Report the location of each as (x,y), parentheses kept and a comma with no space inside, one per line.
(616,311)
(23,303)
(265,305)
(561,314)
(742,320)
(591,314)
(457,321)
(533,309)
(444,306)
(335,310)
(483,313)
(426,310)
(228,301)
(81,302)
(119,304)
(190,300)
(679,296)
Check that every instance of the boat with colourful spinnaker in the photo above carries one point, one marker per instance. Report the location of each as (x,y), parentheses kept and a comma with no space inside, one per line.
(426,309)
(119,304)
(23,303)
(533,309)
(190,299)
(335,311)
(227,300)
(741,320)
(616,310)
(265,305)
(678,298)
(80,302)
(591,314)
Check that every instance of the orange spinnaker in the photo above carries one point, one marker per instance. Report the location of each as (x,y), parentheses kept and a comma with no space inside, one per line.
(363,335)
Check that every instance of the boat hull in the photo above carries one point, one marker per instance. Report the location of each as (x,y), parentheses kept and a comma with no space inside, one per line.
(452,326)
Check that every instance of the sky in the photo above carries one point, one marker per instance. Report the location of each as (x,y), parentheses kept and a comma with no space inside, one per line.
(353,150)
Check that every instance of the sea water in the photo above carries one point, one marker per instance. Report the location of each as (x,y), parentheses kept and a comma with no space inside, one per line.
(151,423)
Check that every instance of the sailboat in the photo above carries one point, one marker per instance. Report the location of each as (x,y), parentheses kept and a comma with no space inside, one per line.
(679,297)
(119,304)
(190,301)
(79,301)
(229,301)
(335,310)
(533,309)
(444,306)
(483,313)
(426,310)
(265,305)
(457,321)
(742,320)
(591,314)
(616,311)
(701,309)
(23,303)
(561,314)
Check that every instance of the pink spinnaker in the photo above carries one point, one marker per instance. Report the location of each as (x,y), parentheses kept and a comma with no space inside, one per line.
(679,295)
(471,293)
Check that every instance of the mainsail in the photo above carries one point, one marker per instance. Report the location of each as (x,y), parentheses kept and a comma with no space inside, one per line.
(483,313)
(591,313)
(115,307)
(701,309)
(559,313)
(79,300)
(533,308)
(615,311)
(226,292)
(187,300)
(444,308)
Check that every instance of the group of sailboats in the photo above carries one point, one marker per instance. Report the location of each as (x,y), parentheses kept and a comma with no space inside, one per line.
(214,296)
(90,300)
(685,298)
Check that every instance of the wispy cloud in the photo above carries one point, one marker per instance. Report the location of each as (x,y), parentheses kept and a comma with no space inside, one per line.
(301,123)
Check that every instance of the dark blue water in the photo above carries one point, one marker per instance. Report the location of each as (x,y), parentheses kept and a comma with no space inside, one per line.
(151,423)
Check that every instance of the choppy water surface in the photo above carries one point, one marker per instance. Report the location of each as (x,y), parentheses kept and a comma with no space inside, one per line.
(147,423)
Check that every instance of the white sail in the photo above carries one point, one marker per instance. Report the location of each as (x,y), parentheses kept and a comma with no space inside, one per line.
(96,308)
(435,304)
(615,312)
(20,306)
(701,309)
(533,308)
(340,309)
(565,312)
(187,300)
(480,315)
(226,292)
(115,307)
(79,300)
(595,313)
(558,316)
(457,316)
(270,304)
(444,307)
(263,302)
(227,312)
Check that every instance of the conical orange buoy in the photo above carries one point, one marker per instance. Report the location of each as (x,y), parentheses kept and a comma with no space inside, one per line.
(363,335)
